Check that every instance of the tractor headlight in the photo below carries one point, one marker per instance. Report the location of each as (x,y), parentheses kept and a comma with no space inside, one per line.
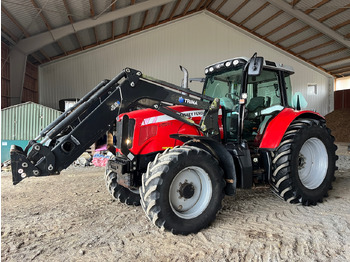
(130,133)
(125,134)
(225,65)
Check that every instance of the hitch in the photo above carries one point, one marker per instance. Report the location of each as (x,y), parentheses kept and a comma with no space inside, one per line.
(20,165)
(23,167)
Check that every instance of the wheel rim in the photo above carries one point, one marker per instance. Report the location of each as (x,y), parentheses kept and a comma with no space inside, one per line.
(312,163)
(190,192)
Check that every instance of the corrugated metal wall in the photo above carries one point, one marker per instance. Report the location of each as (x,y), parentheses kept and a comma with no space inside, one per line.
(193,42)
(25,121)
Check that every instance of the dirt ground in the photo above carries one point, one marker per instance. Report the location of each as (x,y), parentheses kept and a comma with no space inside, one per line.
(71,217)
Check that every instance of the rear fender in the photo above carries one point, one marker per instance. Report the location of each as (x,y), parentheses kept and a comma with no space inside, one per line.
(279,124)
(217,150)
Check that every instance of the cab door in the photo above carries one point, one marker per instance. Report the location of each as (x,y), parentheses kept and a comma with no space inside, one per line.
(263,102)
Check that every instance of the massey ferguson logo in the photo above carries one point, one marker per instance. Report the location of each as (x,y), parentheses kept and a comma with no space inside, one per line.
(187,101)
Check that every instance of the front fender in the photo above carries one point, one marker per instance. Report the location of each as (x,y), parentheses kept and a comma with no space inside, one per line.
(217,150)
(279,124)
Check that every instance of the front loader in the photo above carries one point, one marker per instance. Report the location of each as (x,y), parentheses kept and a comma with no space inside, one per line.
(179,152)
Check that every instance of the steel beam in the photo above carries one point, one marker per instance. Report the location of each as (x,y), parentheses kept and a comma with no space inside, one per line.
(310,21)
(34,43)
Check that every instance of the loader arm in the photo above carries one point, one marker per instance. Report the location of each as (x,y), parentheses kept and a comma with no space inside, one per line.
(66,138)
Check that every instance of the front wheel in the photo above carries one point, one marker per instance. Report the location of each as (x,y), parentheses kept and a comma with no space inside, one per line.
(120,193)
(182,190)
(304,162)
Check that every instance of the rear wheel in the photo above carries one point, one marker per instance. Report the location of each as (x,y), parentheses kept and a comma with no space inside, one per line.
(304,163)
(122,194)
(182,190)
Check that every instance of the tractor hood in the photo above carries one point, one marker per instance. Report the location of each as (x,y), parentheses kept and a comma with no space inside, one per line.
(149,131)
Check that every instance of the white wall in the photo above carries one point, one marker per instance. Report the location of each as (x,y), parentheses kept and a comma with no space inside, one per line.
(193,42)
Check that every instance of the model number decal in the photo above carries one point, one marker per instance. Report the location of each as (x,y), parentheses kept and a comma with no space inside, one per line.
(115,105)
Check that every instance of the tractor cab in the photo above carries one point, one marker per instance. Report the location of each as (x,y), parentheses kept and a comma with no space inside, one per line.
(248,99)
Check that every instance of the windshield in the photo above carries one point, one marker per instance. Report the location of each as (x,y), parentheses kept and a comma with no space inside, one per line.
(226,86)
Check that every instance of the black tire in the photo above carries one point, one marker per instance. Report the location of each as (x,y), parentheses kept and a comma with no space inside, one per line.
(304,162)
(178,175)
(120,193)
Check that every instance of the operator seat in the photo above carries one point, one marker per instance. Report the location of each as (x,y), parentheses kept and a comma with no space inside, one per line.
(252,117)
(256,104)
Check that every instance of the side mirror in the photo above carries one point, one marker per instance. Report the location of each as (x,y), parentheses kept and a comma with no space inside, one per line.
(255,66)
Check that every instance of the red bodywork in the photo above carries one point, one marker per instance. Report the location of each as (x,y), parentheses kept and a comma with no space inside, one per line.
(276,128)
(152,129)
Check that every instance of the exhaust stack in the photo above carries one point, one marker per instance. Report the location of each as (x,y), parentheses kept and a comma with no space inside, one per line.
(184,83)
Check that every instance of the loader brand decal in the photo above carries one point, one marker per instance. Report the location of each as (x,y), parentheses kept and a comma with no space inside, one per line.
(165,118)
(187,101)
(191,102)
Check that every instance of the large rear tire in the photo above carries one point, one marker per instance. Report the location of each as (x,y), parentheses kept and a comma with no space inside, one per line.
(120,193)
(304,162)
(182,190)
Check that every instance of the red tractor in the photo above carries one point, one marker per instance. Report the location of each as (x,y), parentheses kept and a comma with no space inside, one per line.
(179,152)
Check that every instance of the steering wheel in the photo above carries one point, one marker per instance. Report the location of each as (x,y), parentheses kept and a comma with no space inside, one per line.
(230,101)
(232,96)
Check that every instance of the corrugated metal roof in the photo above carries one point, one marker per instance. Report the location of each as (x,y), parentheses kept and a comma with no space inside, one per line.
(25,121)
(260,17)
(79,10)
(315,52)
(286,31)
(246,10)
(327,8)
(339,18)
(299,38)
(345,30)
(13,29)
(151,16)
(54,12)
(334,57)
(87,37)
(319,39)
(70,42)
(273,24)
(26,15)
(263,18)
